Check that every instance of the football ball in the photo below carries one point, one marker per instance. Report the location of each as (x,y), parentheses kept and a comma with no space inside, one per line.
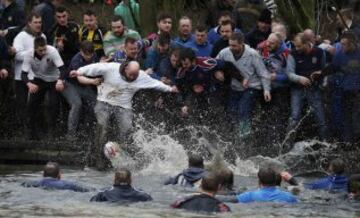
(111,150)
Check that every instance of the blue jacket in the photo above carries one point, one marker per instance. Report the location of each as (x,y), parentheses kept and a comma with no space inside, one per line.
(186,178)
(267,194)
(181,42)
(348,65)
(200,50)
(53,183)
(333,183)
(122,193)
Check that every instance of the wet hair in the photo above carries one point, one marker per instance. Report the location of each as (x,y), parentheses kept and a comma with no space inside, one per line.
(117,18)
(32,15)
(239,37)
(52,170)
(39,42)
(89,12)
(226,178)
(163,16)
(60,9)
(201,28)
(130,40)
(196,161)
(228,22)
(338,166)
(164,39)
(187,53)
(210,182)
(268,176)
(87,47)
(122,177)
(354,183)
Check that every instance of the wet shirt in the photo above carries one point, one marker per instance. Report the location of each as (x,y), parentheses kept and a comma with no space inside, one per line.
(122,193)
(53,183)
(267,194)
(201,203)
(333,183)
(186,178)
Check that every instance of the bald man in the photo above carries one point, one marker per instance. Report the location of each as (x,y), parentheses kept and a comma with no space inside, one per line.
(114,100)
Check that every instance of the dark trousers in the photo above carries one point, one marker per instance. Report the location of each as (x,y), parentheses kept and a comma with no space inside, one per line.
(34,106)
(352,115)
(21,97)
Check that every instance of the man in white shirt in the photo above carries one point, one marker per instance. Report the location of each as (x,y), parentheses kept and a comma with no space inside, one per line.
(22,43)
(121,82)
(45,62)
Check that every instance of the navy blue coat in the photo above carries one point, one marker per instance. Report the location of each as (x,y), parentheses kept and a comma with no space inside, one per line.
(122,194)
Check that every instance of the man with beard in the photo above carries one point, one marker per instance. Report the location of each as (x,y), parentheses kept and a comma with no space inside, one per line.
(256,78)
(115,39)
(275,56)
(121,82)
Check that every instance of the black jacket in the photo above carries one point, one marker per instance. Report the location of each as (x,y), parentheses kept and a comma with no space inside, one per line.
(70,35)
(255,36)
(122,194)
(218,46)
(12,17)
(201,203)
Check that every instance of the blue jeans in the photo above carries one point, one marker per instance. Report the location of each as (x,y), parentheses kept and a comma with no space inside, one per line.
(313,96)
(76,96)
(241,104)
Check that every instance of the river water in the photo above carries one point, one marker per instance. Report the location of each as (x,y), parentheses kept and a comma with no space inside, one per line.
(168,157)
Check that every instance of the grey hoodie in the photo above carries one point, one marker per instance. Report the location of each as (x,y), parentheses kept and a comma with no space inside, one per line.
(251,67)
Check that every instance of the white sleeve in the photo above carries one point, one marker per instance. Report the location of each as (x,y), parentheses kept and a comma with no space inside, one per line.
(150,83)
(57,59)
(97,69)
(26,65)
(18,44)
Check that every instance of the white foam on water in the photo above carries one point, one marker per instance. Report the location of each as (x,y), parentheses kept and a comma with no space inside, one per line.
(166,155)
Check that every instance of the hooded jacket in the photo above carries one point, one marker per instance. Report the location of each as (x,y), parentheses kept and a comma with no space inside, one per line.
(187,177)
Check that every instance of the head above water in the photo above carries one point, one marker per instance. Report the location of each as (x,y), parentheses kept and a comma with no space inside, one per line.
(52,170)
(122,177)
(226,178)
(210,183)
(268,177)
(337,166)
(196,161)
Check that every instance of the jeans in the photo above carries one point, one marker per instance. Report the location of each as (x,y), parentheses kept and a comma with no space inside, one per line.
(241,104)
(313,96)
(123,121)
(76,96)
(122,118)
